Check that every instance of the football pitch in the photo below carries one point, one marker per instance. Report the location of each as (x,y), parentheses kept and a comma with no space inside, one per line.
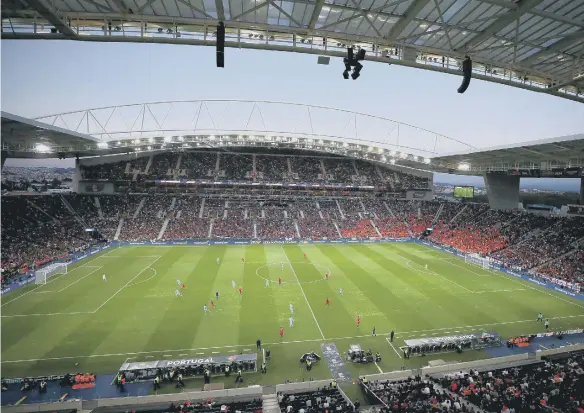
(79,322)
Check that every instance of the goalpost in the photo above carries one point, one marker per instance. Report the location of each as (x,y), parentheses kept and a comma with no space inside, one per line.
(47,272)
(484,263)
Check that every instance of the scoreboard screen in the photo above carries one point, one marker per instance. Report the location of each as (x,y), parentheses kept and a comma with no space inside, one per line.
(464,191)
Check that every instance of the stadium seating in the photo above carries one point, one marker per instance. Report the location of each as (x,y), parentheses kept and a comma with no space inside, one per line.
(39,228)
(415,395)
(551,385)
(326,399)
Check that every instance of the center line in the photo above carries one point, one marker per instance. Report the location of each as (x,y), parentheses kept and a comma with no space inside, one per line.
(302,289)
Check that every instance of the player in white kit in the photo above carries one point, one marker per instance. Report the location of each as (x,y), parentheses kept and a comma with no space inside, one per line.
(179,283)
(177,293)
(291,321)
(282,267)
(217,260)
(205,309)
(341,291)
(233,283)
(267,283)
(291,309)
(103,277)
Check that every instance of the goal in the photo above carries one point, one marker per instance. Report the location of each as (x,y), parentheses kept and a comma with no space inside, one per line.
(484,263)
(47,272)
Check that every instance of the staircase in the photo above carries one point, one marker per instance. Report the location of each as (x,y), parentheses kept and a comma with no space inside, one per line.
(437,216)
(270,403)
(375,227)
(297,229)
(255,229)
(391,214)
(140,205)
(338,230)
(210,228)
(459,212)
(163,229)
(98,206)
(42,211)
(73,212)
(119,230)
(149,164)
(340,209)
(202,208)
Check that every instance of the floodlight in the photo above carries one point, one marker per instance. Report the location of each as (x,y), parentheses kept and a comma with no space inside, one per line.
(41,147)
(463,166)
(168,139)
(427,160)
(102,145)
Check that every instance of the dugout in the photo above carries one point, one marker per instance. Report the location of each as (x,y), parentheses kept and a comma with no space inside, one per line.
(167,369)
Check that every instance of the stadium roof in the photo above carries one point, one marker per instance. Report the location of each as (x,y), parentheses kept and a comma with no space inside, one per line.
(544,154)
(531,44)
(24,138)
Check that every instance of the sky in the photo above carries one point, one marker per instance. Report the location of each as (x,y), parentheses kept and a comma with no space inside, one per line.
(44,77)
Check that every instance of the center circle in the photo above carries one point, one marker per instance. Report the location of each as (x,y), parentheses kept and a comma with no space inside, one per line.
(292,273)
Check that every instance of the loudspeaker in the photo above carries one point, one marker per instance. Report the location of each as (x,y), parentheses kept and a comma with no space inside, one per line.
(466,73)
(220,45)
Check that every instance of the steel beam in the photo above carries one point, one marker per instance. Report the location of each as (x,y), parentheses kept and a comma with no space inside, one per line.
(49,13)
(315,13)
(557,47)
(409,15)
(220,10)
(500,23)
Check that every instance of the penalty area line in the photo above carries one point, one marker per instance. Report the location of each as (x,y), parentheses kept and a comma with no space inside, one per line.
(125,285)
(391,344)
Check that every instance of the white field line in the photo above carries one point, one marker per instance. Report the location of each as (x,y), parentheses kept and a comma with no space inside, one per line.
(302,289)
(75,282)
(378,368)
(439,275)
(54,278)
(402,333)
(391,344)
(125,285)
(450,259)
(526,284)
(45,314)
(147,279)
(501,291)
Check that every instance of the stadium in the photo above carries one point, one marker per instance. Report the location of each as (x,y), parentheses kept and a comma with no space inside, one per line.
(258,255)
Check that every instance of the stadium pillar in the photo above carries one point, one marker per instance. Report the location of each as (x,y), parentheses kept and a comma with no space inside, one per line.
(76,176)
(4,156)
(581,190)
(502,191)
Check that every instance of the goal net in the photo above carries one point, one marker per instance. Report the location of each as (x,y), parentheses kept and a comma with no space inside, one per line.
(43,274)
(484,263)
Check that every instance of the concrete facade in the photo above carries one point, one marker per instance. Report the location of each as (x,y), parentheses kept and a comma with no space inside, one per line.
(502,191)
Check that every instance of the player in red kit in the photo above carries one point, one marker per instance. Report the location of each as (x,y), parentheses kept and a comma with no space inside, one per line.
(281,332)
(240,291)
(183,286)
(305,256)
(242,259)
(358,321)
(328,303)
(326,276)
(212,304)
(279,281)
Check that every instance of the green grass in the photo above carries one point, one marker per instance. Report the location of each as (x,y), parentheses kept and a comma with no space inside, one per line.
(78,318)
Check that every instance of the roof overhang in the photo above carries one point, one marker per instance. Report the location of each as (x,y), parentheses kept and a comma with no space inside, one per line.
(27,138)
(545,154)
(531,44)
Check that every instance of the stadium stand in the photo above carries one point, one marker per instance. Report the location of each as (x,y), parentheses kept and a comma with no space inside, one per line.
(326,399)
(554,384)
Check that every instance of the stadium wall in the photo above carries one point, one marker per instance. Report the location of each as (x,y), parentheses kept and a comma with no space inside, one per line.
(80,256)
